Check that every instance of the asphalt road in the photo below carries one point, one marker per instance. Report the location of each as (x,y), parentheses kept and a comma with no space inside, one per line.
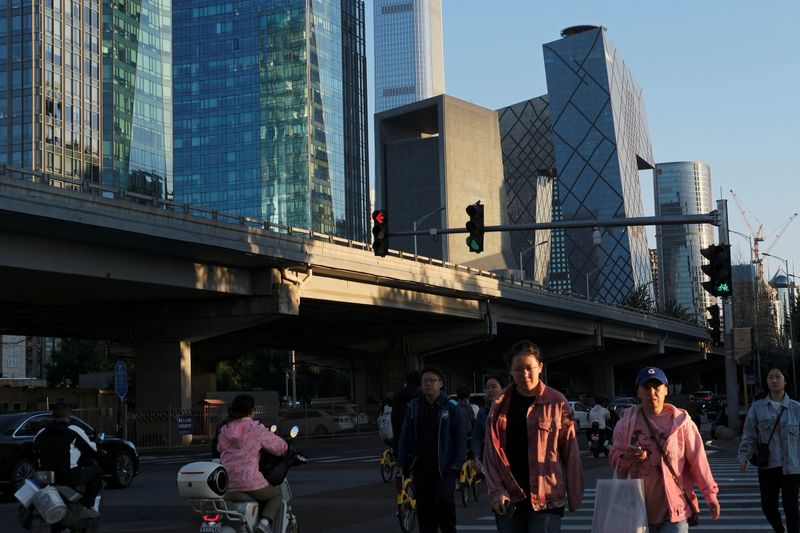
(339,491)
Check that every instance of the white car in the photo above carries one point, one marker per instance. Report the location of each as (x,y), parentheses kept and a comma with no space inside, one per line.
(581,414)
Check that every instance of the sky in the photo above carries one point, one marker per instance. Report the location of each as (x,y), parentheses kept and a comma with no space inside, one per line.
(721,83)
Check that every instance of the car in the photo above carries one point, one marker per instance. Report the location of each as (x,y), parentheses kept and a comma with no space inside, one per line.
(315,422)
(620,403)
(708,401)
(120,463)
(581,414)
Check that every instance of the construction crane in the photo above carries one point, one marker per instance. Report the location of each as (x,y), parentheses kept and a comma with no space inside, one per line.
(758,236)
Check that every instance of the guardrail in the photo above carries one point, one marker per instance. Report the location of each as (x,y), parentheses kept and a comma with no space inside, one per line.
(96,189)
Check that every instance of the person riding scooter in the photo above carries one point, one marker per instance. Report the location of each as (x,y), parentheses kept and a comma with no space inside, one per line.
(66,450)
(600,415)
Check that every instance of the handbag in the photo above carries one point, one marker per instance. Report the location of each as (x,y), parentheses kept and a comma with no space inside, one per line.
(619,506)
(760,457)
(694,519)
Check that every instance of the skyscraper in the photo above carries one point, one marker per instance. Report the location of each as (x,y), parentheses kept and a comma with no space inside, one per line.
(53,74)
(601,142)
(270,111)
(683,188)
(409,55)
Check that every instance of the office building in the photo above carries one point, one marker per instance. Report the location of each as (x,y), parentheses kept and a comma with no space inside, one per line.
(528,179)
(433,159)
(601,142)
(271,111)
(409,55)
(683,188)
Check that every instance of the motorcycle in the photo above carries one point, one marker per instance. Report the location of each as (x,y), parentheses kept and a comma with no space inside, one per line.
(204,484)
(598,440)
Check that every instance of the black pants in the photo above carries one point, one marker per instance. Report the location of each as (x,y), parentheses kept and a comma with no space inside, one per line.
(91,477)
(436,508)
(771,481)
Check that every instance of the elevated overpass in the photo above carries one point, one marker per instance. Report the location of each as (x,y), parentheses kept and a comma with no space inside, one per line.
(188,287)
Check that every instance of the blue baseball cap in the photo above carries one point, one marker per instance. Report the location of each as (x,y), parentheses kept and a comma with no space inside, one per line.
(651,372)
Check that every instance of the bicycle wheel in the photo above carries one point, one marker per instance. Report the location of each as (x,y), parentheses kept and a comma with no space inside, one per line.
(476,488)
(407,511)
(463,488)
(386,470)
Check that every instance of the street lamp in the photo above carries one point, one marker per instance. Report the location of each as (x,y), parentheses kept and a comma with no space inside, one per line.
(528,249)
(420,219)
(587,280)
(791,322)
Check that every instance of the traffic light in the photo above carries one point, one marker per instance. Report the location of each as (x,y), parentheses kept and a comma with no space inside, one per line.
(714,325)
(380,233)
(718,269)
(475,227)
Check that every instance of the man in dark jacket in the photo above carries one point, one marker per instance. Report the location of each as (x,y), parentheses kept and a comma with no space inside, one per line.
(401,399)
(67,450)
(433,446)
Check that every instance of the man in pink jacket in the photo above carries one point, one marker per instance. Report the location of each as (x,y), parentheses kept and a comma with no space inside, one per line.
(639,438)
(240,443)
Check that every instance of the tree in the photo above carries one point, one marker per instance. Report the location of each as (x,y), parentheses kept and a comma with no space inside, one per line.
(674,309)
(640,299)
(74,357)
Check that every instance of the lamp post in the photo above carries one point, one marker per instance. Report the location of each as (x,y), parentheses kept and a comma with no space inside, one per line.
(791,322)
(526,250)
(587,280)
(420,219)
(754,280)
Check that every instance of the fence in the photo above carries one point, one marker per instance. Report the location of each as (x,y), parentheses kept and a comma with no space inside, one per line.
(169,428)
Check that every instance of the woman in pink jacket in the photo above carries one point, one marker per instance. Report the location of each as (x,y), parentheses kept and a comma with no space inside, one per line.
(531,459)
(639,438)
(240,443)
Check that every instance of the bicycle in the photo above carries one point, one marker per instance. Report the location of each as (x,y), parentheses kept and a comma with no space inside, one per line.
(388,464)
(469,477)
(406,504)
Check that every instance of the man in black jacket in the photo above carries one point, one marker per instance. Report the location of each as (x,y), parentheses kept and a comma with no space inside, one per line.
(67,451)
(401,399)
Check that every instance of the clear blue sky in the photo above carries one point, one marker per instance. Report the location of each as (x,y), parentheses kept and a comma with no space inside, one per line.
(721,80)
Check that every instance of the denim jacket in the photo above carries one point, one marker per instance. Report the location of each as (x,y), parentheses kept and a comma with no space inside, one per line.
(452,446)
(784,449)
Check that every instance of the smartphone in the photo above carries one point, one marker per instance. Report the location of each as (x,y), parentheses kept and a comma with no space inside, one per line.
(635,448)
(509,509)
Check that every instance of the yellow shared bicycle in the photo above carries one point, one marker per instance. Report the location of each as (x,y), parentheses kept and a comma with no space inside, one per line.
(406,504)
(388,464)
(469,481)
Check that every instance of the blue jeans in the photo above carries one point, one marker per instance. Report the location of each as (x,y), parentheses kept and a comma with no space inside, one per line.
(669,527)
(529,522)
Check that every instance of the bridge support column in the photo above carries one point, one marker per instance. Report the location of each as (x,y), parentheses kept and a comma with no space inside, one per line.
(164,375)
(603,381)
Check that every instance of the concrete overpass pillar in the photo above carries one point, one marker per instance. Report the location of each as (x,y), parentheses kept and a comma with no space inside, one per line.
(164,375)
(603,381)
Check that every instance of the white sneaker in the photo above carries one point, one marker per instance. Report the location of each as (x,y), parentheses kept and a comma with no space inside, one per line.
(263,526)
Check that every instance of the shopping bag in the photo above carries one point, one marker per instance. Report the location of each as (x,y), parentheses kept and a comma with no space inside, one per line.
(619,506)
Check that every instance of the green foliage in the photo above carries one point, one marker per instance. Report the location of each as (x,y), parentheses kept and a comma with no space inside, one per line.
(74,357)
(676,310)
(640,299)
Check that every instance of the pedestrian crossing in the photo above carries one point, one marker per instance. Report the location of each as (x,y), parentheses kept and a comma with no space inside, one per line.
(739,500)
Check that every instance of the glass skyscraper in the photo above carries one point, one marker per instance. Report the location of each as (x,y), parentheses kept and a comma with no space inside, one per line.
(270,111)
(601,142)
(683,188)
(409,54)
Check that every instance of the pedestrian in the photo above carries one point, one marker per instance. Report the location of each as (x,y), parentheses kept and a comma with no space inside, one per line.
(462,395)
(531,460)
(658,443)
(409,391)
(432,446)
(492,388)
(600,414)
(773,421)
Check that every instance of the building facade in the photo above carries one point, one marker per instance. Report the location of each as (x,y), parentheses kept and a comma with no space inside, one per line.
(409,54)
(601,142)
(271,111)
(683,188)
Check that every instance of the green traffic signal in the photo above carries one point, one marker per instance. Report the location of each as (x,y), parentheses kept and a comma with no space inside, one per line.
(473,245)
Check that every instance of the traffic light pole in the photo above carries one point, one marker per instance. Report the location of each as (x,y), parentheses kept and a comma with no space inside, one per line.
(731,387)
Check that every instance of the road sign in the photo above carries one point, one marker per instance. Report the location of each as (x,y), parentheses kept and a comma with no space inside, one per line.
(184,424)
(121,379)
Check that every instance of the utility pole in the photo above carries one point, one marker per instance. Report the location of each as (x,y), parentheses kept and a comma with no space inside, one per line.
(731,384)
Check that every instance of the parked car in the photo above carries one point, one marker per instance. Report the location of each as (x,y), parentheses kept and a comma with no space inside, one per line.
(620,403)
(120,464)
(315,422)
(707,401)
(581,414)
(339,406)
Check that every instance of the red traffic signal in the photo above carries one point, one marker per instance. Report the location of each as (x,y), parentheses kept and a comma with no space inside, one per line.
(380,233)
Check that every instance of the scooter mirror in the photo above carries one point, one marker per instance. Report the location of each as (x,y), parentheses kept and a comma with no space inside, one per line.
(295,431)
(101,437)
(273,428)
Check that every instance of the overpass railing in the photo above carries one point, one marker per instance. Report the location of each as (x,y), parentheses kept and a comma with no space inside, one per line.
(96,189)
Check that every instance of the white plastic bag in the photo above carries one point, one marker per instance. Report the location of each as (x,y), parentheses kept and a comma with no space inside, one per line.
(385,427)
(50,505)
(619,506)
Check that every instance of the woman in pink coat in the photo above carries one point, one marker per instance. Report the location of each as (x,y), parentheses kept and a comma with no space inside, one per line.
(240,443)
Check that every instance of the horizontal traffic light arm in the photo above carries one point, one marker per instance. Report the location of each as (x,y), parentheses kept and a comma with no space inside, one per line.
(709,218)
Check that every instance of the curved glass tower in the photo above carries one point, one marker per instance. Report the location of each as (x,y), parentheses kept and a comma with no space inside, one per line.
(683,188)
